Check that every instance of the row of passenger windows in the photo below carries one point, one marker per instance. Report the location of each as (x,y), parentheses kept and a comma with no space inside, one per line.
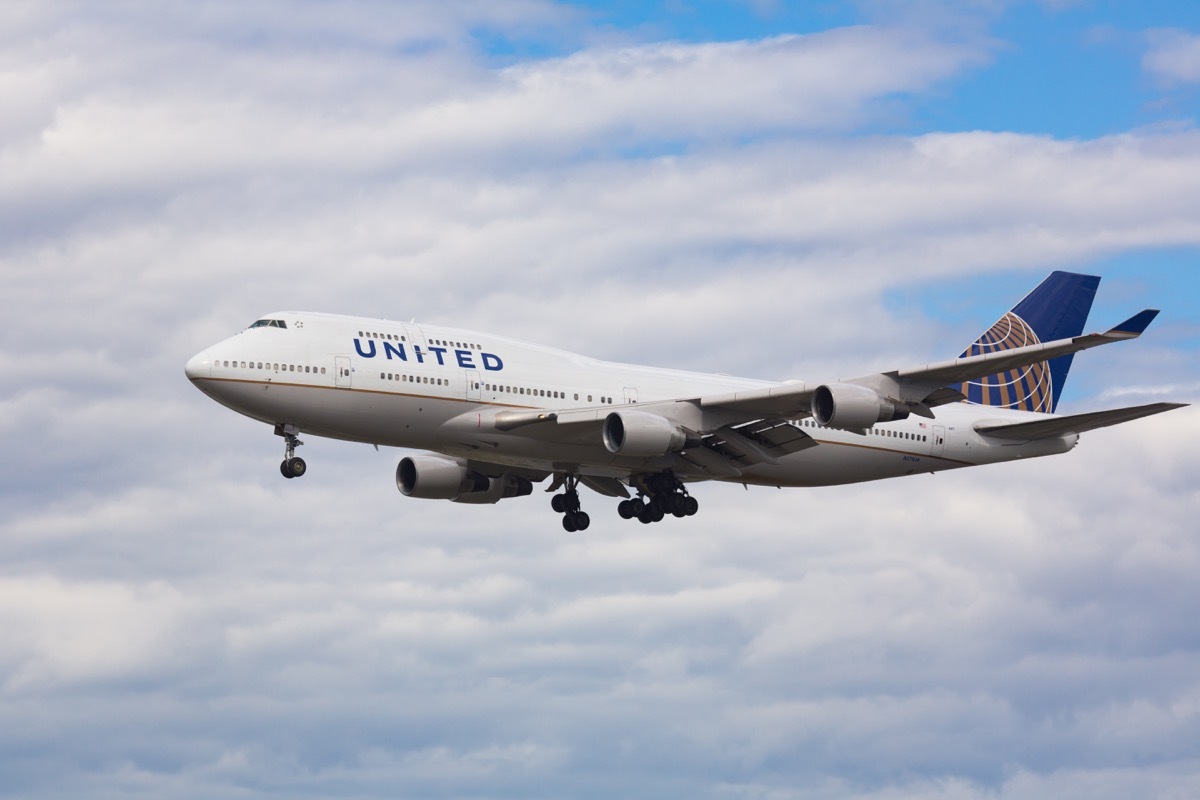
(490,387)
(399,337)
(275,367)
(458,345)
(898,435)
(396,376)
(391,337)
(550,393)
(889,434)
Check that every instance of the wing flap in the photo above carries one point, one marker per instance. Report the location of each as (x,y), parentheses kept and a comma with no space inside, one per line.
(1074,423)
(609,487)
(761,442)
(712,462)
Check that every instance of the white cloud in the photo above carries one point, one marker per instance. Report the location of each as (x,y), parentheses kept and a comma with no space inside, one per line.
(1172,56)
(58,631)
(179,621)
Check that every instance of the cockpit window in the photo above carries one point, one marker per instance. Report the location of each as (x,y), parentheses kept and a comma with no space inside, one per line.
(269,323)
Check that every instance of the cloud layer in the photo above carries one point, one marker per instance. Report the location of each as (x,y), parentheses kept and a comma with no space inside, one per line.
(177,621)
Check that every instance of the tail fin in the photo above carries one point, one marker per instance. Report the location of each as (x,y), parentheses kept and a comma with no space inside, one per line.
(1056,309)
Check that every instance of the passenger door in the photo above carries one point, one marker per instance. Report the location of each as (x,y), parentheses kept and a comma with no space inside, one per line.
(342,374)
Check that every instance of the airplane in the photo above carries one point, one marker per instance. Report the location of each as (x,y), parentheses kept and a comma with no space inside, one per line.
(497,415)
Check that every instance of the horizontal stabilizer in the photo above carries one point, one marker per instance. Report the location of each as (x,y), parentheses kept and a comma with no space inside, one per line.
(1138,323)
(1075,423)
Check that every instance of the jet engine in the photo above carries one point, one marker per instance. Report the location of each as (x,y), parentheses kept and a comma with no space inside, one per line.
(498,489)
(636,433)
(851,407)
(436,478)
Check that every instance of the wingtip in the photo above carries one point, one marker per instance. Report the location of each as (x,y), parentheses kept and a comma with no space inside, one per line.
(1136,324)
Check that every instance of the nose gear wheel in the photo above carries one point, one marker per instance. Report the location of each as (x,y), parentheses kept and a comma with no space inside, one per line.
(292,465)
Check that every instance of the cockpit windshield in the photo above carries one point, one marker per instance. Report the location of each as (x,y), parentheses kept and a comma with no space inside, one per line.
(269,323)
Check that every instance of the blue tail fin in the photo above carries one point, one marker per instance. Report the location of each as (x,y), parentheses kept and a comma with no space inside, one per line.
(1056,309)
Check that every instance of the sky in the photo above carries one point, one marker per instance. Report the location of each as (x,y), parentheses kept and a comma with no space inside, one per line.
(755,187)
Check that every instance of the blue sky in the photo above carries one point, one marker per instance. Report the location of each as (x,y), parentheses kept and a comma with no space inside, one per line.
(1069,70)
(781,190)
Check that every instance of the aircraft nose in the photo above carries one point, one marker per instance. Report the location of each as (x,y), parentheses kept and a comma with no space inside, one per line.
(198,366)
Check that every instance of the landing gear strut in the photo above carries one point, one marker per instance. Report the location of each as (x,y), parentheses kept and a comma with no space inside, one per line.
(659,495)
(567,504)
(292,465)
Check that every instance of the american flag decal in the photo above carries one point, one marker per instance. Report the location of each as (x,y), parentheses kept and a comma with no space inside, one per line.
(1027,388)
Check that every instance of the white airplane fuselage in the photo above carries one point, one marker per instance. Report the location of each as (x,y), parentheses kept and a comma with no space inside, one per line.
(440,389)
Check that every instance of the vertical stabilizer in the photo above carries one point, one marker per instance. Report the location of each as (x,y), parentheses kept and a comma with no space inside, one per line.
(1057,309)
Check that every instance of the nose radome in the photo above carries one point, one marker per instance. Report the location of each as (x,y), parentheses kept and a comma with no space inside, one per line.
(198,366)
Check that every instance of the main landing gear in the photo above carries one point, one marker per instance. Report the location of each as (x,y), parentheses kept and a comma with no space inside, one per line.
(567,504)
(292,465)
(659,495)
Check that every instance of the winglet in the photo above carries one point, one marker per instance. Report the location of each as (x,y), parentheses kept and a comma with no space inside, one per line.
(1135,325)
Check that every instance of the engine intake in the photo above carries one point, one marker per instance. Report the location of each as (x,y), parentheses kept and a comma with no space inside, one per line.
(436,478)
(636,433)
(851,407)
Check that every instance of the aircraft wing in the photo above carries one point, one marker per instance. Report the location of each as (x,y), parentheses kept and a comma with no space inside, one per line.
(974,367)
(925,386)
(789,400)
(1075,423)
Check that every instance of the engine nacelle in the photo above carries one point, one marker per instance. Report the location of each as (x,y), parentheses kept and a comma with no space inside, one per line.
(498,489)
(637,433)
(851,407)
(437,478)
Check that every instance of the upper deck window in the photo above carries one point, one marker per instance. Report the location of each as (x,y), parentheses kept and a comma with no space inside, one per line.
(269,323)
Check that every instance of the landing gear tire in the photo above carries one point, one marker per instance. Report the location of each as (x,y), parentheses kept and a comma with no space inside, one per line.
(625,509)
(664,494)
(651,513)
(567,504)
(678,505)
(293,467)
(577,521)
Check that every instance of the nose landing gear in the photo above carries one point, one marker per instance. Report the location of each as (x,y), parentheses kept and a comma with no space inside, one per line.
(292,465)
